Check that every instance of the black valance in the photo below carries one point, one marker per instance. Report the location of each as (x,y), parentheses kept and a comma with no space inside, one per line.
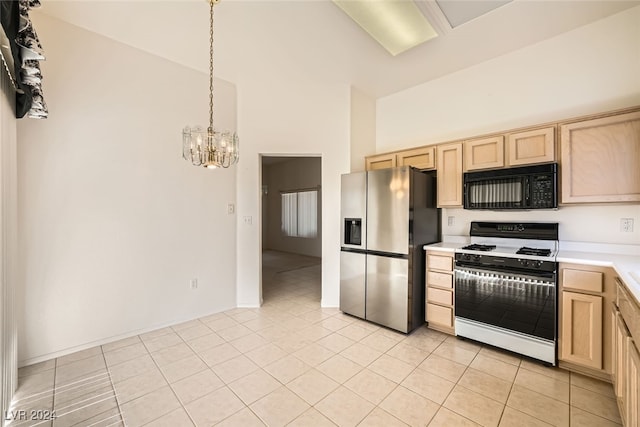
(26,54)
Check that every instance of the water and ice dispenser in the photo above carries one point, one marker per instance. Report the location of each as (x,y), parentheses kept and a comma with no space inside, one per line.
(353,231)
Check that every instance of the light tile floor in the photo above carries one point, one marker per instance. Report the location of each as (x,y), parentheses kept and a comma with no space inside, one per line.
(291,362)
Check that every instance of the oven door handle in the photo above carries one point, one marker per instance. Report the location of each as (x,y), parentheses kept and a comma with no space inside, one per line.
(542,279)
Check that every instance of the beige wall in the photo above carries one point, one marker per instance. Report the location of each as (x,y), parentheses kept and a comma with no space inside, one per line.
(113,222)
(592,69)
(363,128)
(291,174)
(280,114)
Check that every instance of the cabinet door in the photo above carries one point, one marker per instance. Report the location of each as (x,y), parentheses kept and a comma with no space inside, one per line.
(423,158)
(633,384)
(485,153)
(600,160)
(381,161)
(449,160)
(533,146)
(619,357)
(581,329)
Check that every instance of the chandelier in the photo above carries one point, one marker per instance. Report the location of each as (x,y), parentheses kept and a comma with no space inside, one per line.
(208,147)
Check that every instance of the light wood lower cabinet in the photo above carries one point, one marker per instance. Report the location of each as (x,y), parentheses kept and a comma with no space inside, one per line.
(625,375)
(617,354)
(582,329)
(599,159)
(449,161)
(440,291)
(632,406)
(585,331)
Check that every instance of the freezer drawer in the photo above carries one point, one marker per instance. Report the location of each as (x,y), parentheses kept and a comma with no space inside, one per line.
(388,292)
(352,283)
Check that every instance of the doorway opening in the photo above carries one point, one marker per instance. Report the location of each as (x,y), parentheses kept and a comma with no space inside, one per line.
(291,230)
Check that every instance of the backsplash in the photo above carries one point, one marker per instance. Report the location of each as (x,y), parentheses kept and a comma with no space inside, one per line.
(592,223)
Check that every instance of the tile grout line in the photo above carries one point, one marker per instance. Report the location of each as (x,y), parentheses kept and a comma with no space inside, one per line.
(53,391)
(455,384)
(165,378)
(113,387)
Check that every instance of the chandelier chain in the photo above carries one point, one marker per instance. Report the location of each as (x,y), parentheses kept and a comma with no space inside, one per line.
(211,149)
(211,3)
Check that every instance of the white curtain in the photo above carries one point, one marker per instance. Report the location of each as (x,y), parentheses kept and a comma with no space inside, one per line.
(308,213)
(8,244)
(300,214)
(290,214)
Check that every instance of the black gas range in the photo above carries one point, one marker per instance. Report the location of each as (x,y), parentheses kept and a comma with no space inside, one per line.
(528,246)
(505,283)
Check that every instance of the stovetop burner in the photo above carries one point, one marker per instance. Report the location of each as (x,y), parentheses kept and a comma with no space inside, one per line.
(479,247)
(533,251)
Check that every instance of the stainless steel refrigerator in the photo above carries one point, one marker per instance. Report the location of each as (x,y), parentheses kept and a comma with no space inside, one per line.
(387,215)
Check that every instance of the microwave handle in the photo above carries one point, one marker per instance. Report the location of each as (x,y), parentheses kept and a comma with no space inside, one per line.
(527,196)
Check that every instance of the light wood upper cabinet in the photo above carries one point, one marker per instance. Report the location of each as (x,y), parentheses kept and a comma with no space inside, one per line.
(380,161)
(532,146)
(449,162)
(423,158)
(600,158)
(485,153)
(582,329)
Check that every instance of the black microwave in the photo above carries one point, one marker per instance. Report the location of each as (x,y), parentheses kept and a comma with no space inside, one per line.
(526,187)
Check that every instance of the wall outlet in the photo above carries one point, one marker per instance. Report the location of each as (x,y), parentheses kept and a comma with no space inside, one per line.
(626,225)
(193,284)
(231,208)
(451,221)
(248,220)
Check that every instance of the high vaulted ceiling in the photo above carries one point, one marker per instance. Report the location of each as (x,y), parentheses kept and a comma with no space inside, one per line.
(315,40)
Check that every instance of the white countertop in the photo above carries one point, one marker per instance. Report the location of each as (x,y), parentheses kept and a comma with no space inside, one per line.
(624,259)
(449,243)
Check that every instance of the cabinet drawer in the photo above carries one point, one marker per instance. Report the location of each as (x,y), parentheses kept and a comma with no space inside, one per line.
(439,262)
(442,280)
(440,296)
(590,281)
(440,315)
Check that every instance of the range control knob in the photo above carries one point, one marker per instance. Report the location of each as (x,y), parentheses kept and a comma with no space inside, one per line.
(536,264)
(467,257)
(476,257)
(524,262)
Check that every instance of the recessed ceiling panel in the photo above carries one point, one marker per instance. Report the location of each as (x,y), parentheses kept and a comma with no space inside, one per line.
(396,25)
(460,11)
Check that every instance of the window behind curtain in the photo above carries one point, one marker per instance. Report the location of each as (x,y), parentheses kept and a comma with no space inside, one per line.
(300,213)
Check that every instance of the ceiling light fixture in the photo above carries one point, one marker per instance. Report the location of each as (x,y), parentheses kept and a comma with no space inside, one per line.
(396,25)
(210,148)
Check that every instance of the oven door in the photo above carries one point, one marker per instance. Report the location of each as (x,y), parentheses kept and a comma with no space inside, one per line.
(515,301)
